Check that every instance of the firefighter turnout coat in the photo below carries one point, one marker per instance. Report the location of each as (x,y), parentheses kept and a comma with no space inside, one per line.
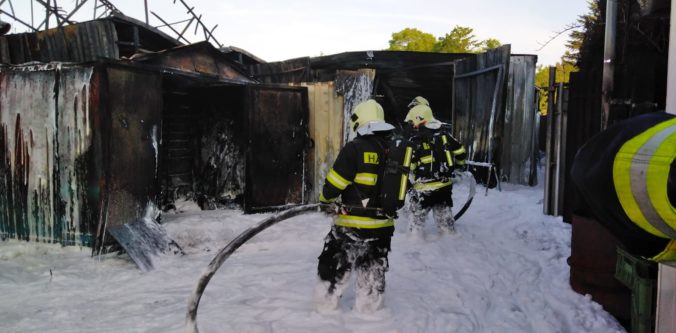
(355,178)
(436,155)
(627,178)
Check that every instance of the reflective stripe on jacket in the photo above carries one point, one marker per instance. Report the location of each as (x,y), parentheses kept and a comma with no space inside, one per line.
(354,177)
(640,174)
(363,222)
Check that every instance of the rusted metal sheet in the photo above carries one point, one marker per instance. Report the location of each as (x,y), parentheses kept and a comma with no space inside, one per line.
(48,191)
(88,41)
(276,154)
(479,107)
(199,58)
(520,148)
(135,106)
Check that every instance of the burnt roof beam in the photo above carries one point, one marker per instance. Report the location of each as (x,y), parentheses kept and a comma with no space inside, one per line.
(207,33)
(78,5)
(53,10)
(170,27)
(29,26)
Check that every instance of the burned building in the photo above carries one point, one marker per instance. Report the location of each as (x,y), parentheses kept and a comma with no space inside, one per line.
(93,135)
(489,99)
(123,118)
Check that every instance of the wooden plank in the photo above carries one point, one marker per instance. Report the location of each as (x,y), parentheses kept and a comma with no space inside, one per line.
(326,130)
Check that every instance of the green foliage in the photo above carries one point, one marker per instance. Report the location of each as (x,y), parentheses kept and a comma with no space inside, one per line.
(411,39)
(459,40)
(490,43)
(569,60)
(577,37)
(563,70)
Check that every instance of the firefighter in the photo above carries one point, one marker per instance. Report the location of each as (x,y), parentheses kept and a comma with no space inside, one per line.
(627,178)
(436,155)
(360,237)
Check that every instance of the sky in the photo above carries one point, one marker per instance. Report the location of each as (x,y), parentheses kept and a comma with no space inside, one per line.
(504,271)
(280,30)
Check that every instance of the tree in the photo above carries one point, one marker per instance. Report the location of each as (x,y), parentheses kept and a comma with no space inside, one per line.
(577,37)
(490,43)
(563,70)
(459,40)
(411,39)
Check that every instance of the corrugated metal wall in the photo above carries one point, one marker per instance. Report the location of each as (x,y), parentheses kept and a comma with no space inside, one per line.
(45,152)
(83,42)
(520,148)
(478,112)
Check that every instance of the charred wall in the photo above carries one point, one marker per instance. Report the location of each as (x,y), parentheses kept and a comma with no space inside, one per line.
(203,146)
(48,183)
(109,38)
(78,150)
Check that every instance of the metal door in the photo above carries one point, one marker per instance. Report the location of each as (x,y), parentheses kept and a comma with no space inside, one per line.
(276,153)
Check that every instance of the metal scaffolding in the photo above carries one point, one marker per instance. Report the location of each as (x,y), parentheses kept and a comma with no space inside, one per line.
(36,15)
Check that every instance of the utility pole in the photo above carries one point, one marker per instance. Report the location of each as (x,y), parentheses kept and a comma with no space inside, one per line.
(671,73)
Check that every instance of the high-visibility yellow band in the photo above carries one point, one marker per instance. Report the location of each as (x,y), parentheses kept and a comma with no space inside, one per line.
(635,182)
(407,157)
(461,162)
(426,146)
(362,222)
(443,139)
(322,198)
(427,159)
(402,186)
(431,186)
(459,150)
(366,178)
(668,254)
(658,176)
(370,158)
(448,158)
(337,180)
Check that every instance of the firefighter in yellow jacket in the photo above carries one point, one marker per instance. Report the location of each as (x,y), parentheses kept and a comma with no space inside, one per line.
(627,178)
(436,155)
(359,240)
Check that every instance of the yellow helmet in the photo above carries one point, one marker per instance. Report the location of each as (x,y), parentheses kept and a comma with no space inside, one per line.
(419,100)
(420,115)
(366,112)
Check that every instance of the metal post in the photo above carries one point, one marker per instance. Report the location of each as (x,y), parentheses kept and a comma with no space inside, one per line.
(671,76)
(560,146)
(608,61)
(549,154)
(145,3)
